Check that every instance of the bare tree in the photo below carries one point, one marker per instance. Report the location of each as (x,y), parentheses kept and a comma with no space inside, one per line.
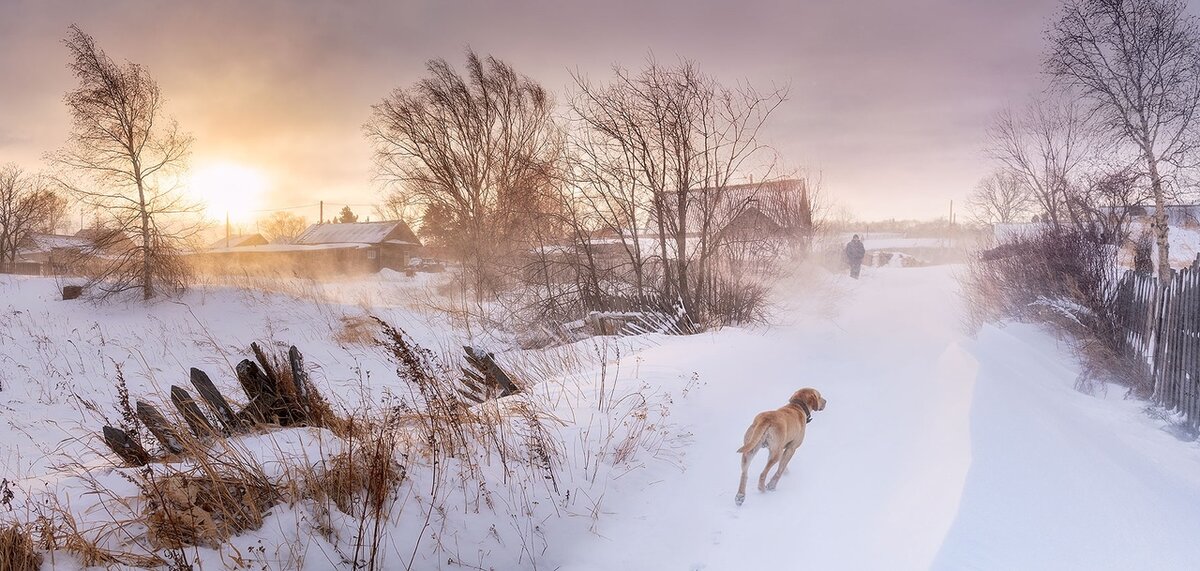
(399,206)
(282,227)
(27,205)
(1137,63)
(1001,197)
(128,154)
(477,152)
(1108,197)
(663,149)
(1045,145)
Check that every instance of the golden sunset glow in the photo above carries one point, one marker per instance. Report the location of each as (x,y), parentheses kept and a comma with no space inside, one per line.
(229,188)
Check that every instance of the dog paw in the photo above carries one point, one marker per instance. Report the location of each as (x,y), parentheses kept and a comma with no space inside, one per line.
(738,499)
(771,487)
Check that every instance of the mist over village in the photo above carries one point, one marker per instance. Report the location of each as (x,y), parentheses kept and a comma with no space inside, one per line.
(451,285)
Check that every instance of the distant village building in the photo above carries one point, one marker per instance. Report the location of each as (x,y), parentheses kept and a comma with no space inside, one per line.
(61,254)
(322,250)
(239,240)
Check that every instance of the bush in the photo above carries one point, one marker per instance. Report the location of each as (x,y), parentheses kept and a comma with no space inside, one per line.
(1066,277)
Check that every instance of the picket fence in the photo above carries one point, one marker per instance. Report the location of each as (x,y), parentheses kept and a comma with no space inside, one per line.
(1162,324)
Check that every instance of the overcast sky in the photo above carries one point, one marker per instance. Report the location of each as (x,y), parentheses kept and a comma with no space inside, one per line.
(889,101)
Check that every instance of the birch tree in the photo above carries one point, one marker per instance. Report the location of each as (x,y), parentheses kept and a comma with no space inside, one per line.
(1137,65)
(122,159)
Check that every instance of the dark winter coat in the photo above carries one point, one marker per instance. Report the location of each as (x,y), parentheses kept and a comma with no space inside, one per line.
(855,251)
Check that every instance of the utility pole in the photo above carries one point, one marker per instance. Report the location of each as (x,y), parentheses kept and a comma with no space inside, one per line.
(226,228)
(321,217)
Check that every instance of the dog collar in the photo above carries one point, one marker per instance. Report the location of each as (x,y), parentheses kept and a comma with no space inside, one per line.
(803,407)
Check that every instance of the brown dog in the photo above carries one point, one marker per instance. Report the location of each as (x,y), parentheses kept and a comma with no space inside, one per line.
(780,431)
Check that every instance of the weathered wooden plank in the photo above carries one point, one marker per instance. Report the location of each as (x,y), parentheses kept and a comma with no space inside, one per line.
(1165,340)
(258,411)
(300,380)
(215,400)
(266,403)
(486,364)
(191,413)
(1173,342)
(127,448)
(1193,362)
(254,382)
(159,427)
(473,397)
(473,380)
(1191,343)
(1161,391)
(1185,391)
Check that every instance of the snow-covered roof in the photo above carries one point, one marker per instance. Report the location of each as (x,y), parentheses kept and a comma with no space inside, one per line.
(239,240)
(1010,232)
(394,232)
(47,242)
(285,248)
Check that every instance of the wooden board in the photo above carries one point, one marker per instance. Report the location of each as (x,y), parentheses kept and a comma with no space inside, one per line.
(215,400)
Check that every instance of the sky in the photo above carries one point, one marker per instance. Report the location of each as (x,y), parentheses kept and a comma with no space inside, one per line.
(889,101)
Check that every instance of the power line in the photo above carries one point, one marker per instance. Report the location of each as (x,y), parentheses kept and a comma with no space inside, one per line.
(285,208)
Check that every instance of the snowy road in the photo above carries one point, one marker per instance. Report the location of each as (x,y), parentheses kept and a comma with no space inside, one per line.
(936,451)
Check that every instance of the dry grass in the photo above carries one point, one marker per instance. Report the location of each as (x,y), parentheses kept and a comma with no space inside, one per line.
(203,509)
(17,552)
(356,330)
(399,463)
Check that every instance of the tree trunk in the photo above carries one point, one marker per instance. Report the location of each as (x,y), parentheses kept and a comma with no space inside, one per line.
(1160,223)
(147,267)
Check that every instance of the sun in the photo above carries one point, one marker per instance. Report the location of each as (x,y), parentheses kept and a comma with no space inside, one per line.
(229,189)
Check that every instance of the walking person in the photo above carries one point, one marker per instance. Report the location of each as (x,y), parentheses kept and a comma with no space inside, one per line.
(854,255)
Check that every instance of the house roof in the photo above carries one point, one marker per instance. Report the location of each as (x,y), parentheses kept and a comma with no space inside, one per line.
(282,248)
(770,206)
(239,240)
(105,237)
(391,232)
(46,242)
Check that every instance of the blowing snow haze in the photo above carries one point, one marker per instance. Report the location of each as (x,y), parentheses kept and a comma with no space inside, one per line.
(889,101)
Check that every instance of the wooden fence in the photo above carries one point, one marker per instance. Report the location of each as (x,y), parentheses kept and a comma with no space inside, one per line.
(1162,324)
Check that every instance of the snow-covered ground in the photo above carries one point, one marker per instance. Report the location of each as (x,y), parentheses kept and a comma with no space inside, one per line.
(937,449)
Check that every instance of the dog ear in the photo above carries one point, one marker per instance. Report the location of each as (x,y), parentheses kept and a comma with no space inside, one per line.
(812,399)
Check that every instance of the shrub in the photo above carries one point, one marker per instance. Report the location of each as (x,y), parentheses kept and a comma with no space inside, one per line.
(1066,277)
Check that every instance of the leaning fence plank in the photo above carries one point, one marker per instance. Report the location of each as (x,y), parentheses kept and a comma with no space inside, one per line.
(126,447)
(191,412)
(215,400)
(159,427)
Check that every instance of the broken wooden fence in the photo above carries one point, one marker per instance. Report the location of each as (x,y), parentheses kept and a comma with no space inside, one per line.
(275,397)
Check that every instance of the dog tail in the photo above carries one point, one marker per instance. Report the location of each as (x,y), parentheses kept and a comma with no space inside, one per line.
(754,437)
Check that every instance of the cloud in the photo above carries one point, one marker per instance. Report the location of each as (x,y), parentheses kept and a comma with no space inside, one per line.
(889,99)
